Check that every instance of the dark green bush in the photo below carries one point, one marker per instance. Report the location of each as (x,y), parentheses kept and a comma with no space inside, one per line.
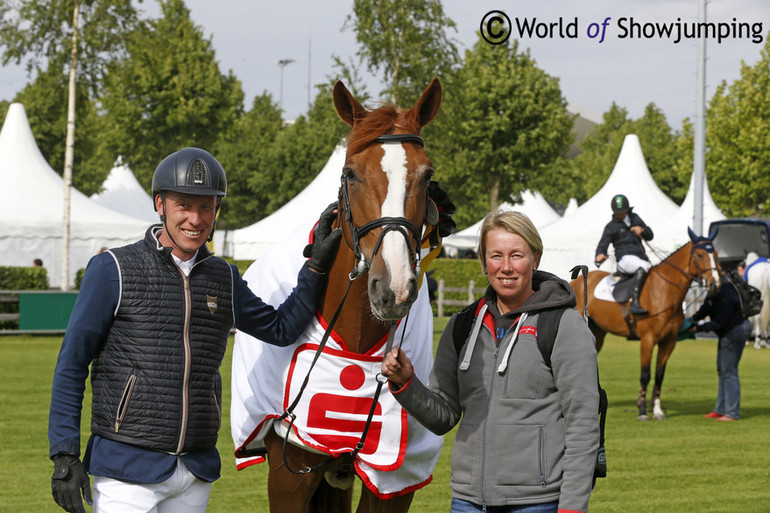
(457,273)
(79,277)
(23,278)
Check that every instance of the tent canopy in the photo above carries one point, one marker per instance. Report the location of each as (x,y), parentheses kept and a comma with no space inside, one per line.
(32,210)
(122,193)
(300,213)
(572,240)
(532,204)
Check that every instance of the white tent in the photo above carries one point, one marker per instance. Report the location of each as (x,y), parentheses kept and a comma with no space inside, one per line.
(572,240)
(674,233)
(31,210)
(122,193)
(572,206)
(253,241)
(532,204)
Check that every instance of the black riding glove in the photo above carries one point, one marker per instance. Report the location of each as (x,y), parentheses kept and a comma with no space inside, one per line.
(68,481)
(325,242)
(445,226)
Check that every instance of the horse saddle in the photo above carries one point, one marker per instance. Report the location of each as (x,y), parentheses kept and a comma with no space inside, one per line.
(617,287)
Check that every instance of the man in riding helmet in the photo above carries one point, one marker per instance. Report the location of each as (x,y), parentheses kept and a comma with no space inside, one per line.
(152,319)
(626,231)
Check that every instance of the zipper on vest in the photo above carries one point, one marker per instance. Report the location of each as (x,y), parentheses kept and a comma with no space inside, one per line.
(125,398)
(185,410)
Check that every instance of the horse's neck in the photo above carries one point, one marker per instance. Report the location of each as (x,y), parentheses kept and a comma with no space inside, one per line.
(673,274)
(356,325)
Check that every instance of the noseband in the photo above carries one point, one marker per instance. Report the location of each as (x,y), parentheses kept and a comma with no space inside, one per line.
(400,224)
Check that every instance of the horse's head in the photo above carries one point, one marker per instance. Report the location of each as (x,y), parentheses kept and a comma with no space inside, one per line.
(703,260)
(383,195)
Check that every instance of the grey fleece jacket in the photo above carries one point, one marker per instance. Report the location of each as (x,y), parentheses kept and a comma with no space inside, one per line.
(528,434)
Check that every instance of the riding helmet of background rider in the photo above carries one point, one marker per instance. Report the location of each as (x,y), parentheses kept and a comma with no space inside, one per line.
(189,171)
(620,204)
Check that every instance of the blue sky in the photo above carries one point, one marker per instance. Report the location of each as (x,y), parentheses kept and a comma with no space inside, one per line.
(250,37)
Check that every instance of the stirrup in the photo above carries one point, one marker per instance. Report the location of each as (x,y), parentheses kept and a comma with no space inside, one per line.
(637,309)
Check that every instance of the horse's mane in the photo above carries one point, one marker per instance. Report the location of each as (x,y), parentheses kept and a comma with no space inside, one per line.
(677,250)
(375,123)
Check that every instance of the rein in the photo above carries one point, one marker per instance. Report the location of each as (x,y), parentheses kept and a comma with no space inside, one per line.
(399,224)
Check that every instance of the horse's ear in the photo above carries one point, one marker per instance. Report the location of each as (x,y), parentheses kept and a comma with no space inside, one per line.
(713,234)
(348,108)
(692,235)
(427,106)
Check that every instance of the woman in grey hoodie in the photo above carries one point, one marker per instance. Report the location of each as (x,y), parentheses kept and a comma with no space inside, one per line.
(528,433)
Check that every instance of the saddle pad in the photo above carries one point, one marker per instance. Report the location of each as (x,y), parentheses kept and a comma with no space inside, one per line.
(605,287)
(332,411)
(260,372)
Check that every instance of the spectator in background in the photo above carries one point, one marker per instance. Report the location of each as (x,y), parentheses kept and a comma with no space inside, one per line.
(733,330)
(37,263)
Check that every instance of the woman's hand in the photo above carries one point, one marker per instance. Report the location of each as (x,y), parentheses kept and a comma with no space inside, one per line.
(397,367)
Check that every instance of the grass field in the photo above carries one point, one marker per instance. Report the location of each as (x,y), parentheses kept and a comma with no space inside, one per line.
(684,463)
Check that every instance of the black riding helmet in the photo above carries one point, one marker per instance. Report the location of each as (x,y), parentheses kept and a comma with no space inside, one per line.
(619,204)
(189,171)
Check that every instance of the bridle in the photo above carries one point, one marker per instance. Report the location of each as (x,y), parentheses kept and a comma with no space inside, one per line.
(400,224)
(708,247)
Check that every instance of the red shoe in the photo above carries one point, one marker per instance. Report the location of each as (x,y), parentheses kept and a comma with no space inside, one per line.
(712,415)
(725,418)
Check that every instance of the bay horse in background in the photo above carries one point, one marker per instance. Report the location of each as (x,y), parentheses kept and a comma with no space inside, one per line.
(757,274)
(382,208)
(662,295)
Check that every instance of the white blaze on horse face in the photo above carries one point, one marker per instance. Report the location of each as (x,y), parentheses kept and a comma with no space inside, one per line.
(395,252)
(714,273)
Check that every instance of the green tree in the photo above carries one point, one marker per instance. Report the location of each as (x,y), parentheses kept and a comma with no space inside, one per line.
(589,170)
(169,93)
(299,152)
(45,102)
(243,151)
(738,156)
(406,41)
(504,123)
(39,34)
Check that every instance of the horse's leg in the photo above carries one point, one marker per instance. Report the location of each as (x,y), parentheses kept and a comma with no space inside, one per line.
(598,333)
(328,499)
(369,503)
(645,357)
(286,491)
(665,348)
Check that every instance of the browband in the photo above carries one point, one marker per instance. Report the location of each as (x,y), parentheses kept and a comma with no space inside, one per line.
(399,138)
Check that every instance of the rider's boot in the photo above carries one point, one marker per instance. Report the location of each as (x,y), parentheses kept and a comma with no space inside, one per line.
(636,308)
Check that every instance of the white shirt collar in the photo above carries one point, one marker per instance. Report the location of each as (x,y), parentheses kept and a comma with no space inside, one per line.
(185,265)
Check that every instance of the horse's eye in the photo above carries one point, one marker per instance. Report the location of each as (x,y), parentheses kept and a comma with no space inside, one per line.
(428,175)
(350,174)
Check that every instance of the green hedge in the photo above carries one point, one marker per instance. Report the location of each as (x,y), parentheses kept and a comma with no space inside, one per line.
(23,278)
(457,273)
(20,278)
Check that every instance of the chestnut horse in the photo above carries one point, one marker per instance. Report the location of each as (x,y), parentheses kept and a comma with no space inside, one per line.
(382,207)
(663,293)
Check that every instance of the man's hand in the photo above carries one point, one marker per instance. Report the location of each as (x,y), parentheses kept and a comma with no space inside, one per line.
(601,257)
(637,230)
(325,242)
(69,480)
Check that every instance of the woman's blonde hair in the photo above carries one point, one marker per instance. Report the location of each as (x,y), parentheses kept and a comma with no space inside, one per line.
(514,222)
